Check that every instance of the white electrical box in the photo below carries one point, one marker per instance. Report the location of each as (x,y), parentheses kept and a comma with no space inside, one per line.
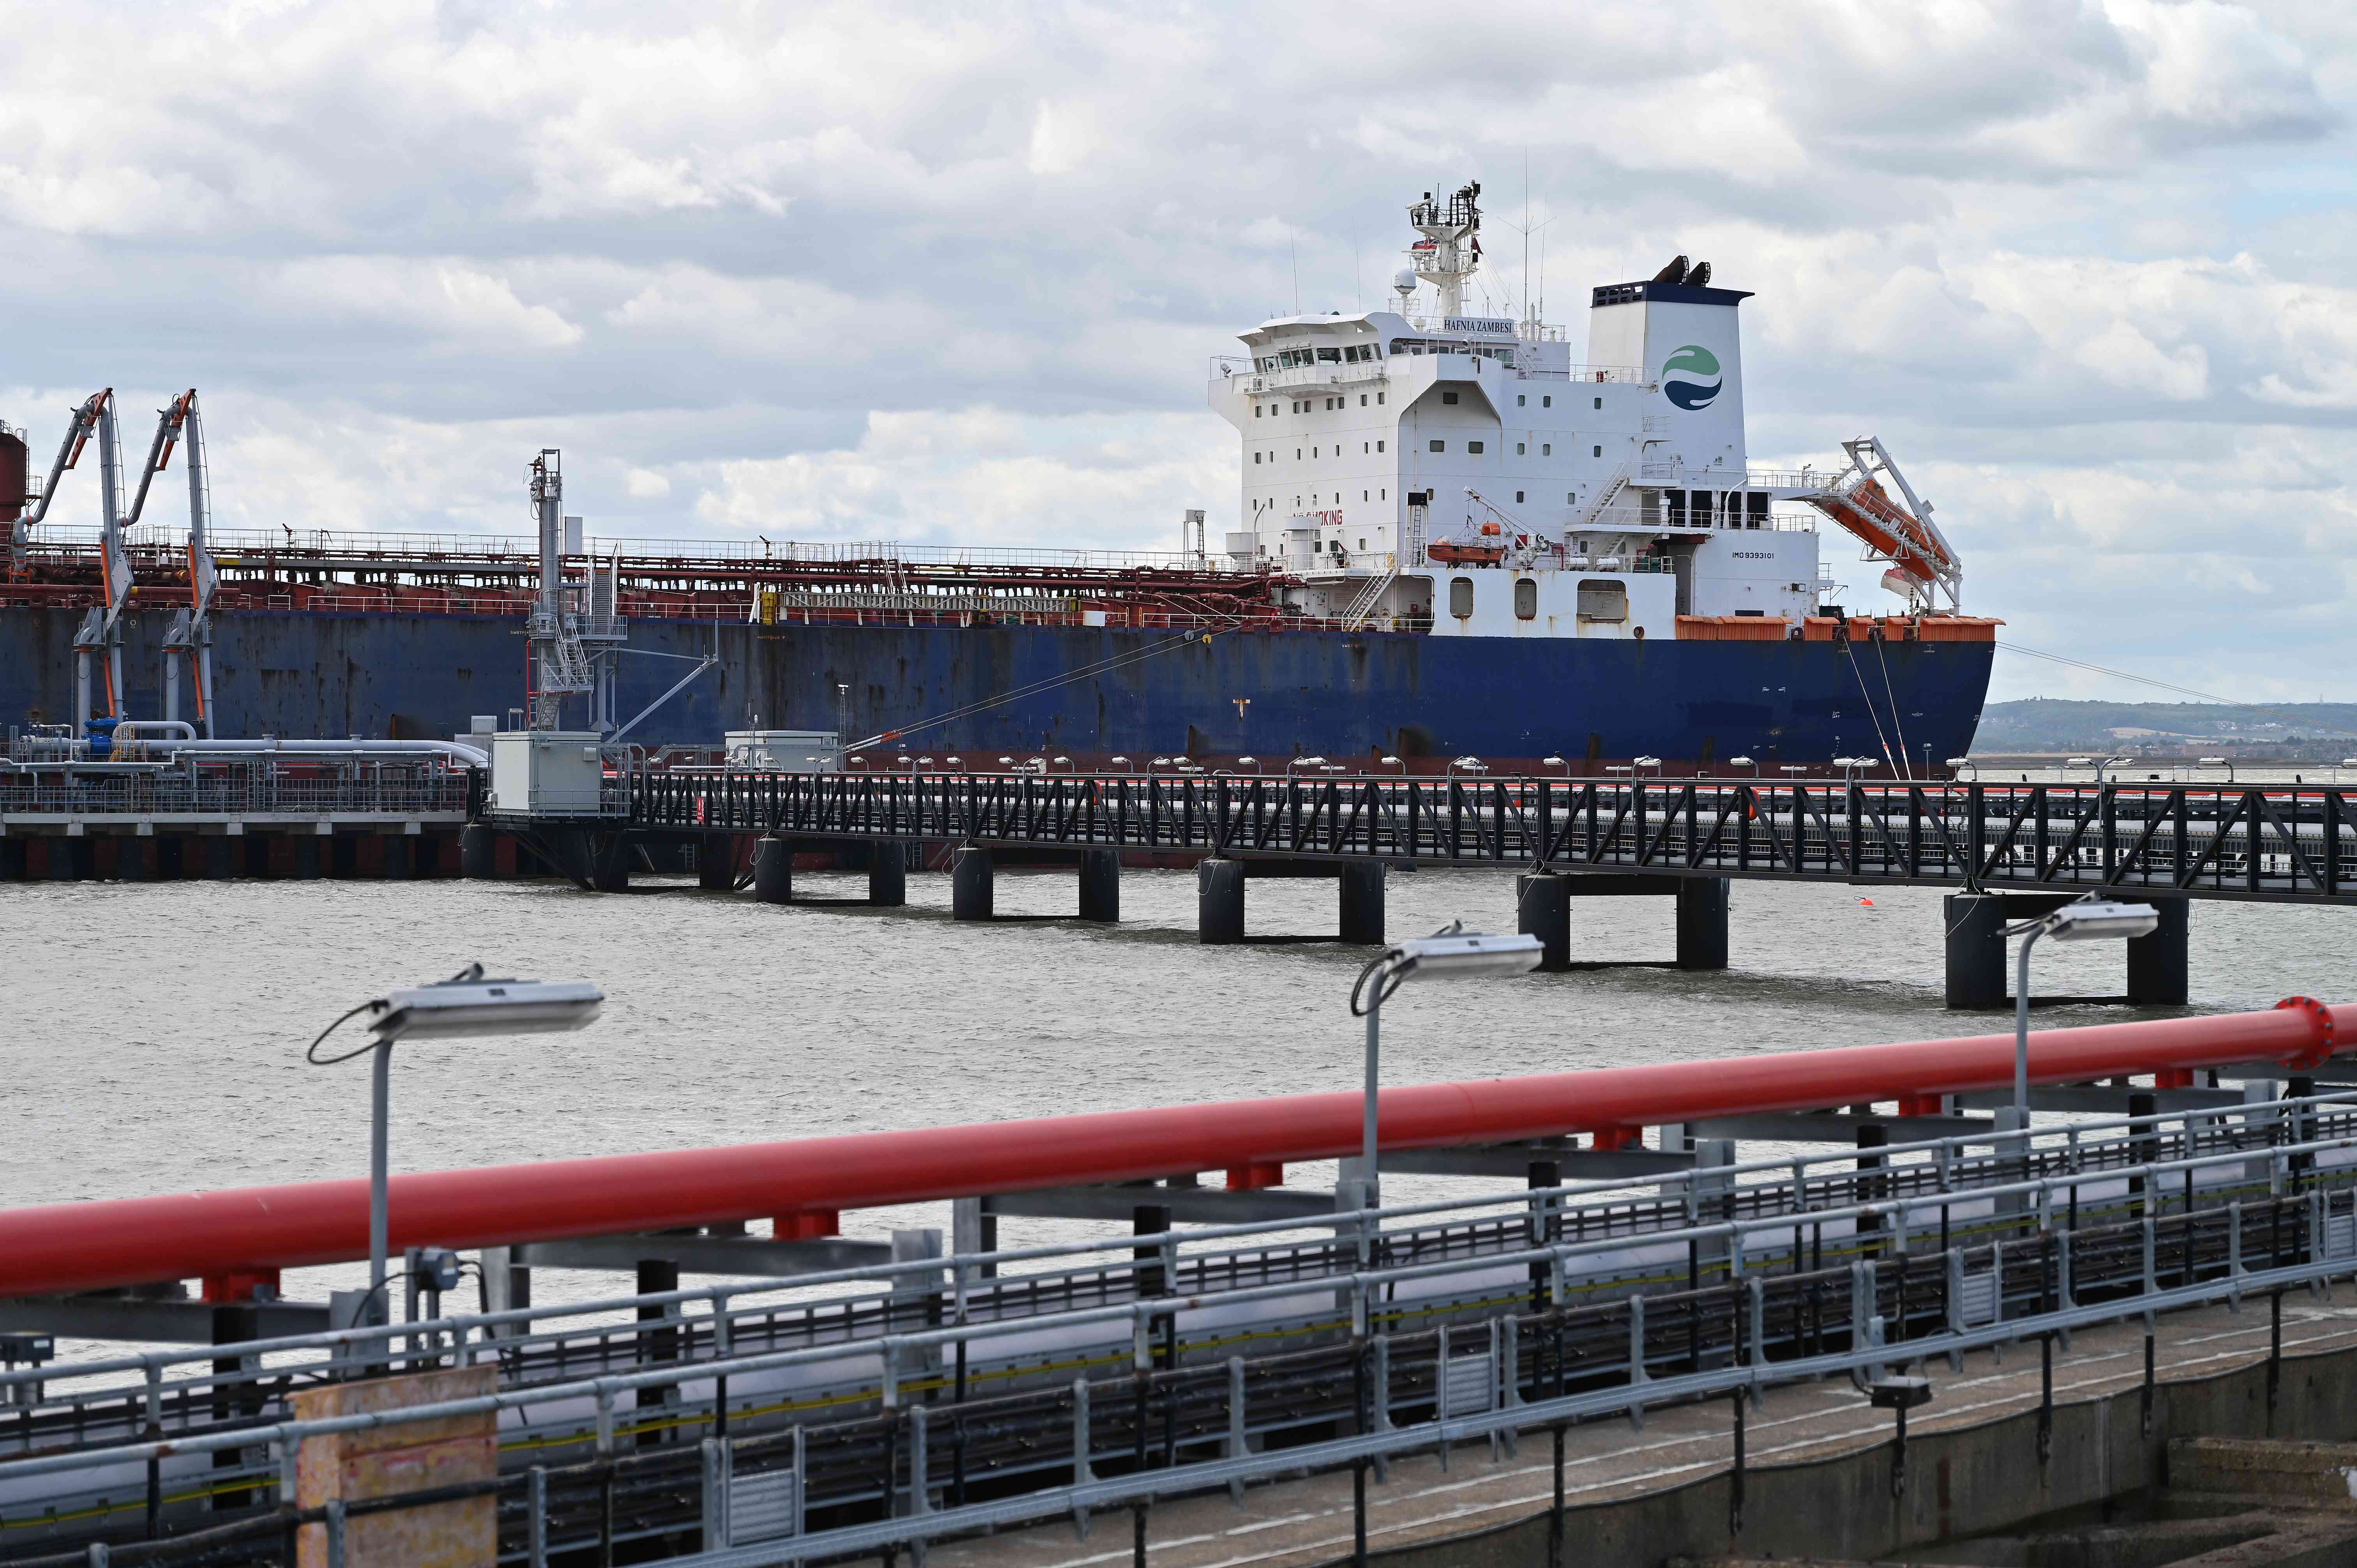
(785,750)
(547,772)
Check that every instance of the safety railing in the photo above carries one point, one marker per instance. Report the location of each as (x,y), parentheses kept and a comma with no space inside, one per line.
(659,1449)
(363,788)
(1801,1197)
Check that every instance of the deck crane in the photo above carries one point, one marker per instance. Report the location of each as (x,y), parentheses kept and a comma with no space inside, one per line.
(190,635)
(1923,565)
(102,629)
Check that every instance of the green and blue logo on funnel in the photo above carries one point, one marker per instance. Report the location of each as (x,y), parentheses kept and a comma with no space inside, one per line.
(1690,378)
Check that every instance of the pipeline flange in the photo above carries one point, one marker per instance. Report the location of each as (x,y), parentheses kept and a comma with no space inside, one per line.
(2321,1017)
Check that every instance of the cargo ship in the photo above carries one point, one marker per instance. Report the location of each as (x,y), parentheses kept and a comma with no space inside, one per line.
(1529,564)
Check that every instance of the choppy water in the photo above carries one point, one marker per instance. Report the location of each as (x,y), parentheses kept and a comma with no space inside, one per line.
(153,1034)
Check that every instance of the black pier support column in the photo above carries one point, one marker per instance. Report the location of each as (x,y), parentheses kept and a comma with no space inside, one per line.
(1543,910)
(478,852)
(221,857)
(715,862)
(972,895)
(1702,922)
(1219,902)
(1101,885)
(2156,963)
(773,870)
(1975,949)
(308,850)
(135,858)
(609,862)
(14,861)
(887,874)
(1361,903)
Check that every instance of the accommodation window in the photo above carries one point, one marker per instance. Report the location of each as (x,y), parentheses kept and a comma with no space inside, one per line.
(1460,597)
(1296,453)
(1526,598)
(1520,399)
(1440,445)
(1518,497)
(1379,446)
(1362,542)
(1255,411)
(1379,400)
(1385,494)
(1603,601)
(1518,448)
(1473,447)
(1599,402)
(1362,400)
(1599,451)
(1448,397)
(1546,402)
(1547,448)
(1256,457)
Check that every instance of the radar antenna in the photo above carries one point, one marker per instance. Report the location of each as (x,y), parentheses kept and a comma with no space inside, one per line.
(1450,251)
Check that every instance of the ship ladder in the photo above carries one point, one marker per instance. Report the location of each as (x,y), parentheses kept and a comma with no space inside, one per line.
(1354,618)
(1604,497)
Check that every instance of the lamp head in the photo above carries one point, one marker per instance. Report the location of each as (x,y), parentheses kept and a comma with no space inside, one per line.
(2092,920)
(472,1006)
(1466,955)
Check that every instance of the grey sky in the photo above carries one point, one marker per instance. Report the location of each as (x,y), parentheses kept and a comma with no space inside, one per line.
(936,274)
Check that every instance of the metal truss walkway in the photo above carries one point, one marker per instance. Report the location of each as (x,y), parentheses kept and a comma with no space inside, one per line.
(2283,844)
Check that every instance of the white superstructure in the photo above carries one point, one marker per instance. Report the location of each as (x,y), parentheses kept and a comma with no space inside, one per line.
(1466,471)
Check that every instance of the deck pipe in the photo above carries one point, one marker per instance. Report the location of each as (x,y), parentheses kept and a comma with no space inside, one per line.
(127,1241)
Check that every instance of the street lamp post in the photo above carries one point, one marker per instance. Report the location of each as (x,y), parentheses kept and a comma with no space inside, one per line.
(1451,952)
(467,1006)
(2089,919)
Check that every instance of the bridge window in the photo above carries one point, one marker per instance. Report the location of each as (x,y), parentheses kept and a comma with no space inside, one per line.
(1461,598)
(1604,601)
(1526,596)
(1329,356)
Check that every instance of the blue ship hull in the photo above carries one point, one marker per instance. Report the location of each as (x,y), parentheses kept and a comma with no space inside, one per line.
(1272,695)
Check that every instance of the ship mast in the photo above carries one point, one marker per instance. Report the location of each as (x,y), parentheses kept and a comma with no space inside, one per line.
(1450,251)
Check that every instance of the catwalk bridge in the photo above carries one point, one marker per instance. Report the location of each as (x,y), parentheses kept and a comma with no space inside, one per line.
(2279,844)
(2010,850)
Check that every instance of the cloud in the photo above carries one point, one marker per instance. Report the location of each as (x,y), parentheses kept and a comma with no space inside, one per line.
(878,269)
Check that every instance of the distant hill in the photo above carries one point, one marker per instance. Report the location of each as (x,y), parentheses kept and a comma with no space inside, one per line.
(2302,731)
